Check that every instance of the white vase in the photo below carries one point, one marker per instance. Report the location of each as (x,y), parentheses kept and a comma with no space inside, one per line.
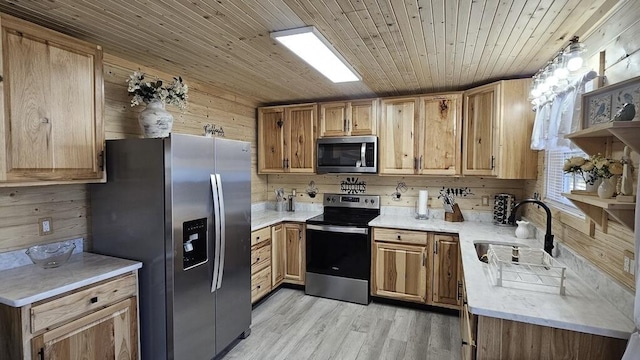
(595,183)
(155,121)
(607,188)
(522,232)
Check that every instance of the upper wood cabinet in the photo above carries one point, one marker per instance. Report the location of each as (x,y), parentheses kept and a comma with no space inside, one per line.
(421,135)
(286,139)
(51,106)
(498,122)
(346,118)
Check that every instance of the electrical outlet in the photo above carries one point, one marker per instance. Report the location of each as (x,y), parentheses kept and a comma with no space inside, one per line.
(44,226)
(626,264)
(629,263)
(632,267)
(485,200)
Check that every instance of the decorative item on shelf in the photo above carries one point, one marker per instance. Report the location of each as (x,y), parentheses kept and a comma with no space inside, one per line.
(422,209)
(522,231)
(211,130)
(400,188)
(155,121)
(626,113)
(312,189)
(626,180)
(353,186)
(586,169)
(617,102)
(607,188)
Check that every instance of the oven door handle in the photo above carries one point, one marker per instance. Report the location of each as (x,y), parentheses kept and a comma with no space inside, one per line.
(338,229)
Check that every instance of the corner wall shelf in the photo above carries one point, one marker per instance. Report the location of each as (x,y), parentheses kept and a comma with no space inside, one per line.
(591,140)
(597,209)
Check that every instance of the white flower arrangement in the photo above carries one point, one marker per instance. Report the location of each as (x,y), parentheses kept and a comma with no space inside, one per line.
(146,91)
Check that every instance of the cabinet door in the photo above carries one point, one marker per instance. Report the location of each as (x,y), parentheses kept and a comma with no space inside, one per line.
(333,119)
(278,246)
(52,105)
(397,136)
(481,112)
(441,136)
(109,333)
(446,270)
(362,117)
(400,272)
(300,154)
(294,253)
(271,145)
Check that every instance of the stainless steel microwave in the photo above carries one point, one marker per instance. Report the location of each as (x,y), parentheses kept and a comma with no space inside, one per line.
(349,154)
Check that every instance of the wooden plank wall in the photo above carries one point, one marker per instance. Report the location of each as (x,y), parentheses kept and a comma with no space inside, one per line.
(69,206)
(617,35)
(385,186)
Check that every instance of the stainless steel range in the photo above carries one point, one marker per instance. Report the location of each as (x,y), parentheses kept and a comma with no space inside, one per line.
(339,248)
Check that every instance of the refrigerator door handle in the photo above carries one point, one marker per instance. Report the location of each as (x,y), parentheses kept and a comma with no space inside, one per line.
(216,215)
(223,227)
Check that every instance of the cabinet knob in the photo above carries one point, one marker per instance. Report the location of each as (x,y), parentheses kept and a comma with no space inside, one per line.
(45,120)
(94,300)
(257,259)
(399,237)
(258,286)
(1,78)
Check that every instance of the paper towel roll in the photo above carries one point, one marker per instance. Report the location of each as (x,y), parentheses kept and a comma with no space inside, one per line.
(423,198)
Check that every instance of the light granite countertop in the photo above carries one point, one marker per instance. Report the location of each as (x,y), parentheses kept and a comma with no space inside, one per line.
(580,309)
(262,218)
(30,283)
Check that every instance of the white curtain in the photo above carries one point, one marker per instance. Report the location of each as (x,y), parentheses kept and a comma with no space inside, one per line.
(633,347)
(560,116)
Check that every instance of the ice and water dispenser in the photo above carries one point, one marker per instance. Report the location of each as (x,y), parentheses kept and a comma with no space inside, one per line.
(194,243)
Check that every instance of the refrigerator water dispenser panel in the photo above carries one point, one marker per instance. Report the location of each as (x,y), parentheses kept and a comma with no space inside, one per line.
(194,243)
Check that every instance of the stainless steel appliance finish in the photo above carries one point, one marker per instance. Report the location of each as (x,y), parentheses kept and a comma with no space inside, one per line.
(338,254)
(349,154)
(502,207)
(182,206)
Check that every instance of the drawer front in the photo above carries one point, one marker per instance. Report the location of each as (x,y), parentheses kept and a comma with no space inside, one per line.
(261,235)
(260,284)
(400,236)
(260,257)
(78,303)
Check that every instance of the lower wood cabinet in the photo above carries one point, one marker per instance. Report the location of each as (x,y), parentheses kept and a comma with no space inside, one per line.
(278,247)
(416,266)
(294,269)
(260,263)
(99,321)
(400,271)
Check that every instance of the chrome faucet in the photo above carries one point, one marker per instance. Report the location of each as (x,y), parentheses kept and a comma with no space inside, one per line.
(548,237)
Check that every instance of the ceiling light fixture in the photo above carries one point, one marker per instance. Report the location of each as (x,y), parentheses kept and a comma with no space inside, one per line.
(312,47)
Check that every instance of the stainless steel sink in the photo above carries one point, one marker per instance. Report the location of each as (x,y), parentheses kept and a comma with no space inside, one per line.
(482,247)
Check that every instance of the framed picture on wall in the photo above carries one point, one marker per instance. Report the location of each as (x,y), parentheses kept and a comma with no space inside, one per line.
(602,105)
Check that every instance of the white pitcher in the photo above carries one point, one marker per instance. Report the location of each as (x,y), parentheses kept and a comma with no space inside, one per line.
(522,232)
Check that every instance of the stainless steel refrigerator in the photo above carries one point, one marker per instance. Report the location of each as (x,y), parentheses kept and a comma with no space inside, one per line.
(182,206)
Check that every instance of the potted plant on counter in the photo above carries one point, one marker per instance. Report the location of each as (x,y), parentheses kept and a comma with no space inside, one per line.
(155,121)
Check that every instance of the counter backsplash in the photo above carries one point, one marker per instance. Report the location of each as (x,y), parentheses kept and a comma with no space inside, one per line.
(13,259)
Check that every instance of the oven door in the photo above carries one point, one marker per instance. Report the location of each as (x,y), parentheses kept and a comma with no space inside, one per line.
(343,251)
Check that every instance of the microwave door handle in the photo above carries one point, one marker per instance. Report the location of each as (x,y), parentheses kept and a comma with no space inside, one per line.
(216,216)
(363,154)
(223,227)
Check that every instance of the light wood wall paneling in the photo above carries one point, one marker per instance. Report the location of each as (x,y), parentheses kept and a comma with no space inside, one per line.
(385,186)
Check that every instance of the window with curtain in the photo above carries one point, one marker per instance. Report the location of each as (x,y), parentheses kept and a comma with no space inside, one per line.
(559,182)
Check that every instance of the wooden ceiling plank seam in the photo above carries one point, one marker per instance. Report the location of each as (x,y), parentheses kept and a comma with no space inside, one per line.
(377,22)
(463,24)
(352,20)
(517,39)
(486,13)
(562,31)
(373,41)
(515,11)
(497,25)
(450,38)
(426,21)
(471,40)
(439,24)
(286,13)
(598,41)
(331,29)
(543,34)
(421,46)
(402,10)
(390,23)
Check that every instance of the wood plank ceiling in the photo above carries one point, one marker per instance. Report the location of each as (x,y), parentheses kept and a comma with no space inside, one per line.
(398,46)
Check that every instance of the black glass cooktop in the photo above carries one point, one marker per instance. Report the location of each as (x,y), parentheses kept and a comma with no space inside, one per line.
(344,217)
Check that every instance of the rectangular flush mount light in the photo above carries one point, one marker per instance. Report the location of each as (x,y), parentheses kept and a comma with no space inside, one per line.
(312,47)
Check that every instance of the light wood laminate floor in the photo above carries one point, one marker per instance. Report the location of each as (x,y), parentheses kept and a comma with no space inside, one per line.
(292,325)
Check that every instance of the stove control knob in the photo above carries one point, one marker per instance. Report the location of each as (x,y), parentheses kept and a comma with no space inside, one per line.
(329,199)
(366,201)
(372,201)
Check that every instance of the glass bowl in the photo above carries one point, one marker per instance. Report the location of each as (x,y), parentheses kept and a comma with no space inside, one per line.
(51,255)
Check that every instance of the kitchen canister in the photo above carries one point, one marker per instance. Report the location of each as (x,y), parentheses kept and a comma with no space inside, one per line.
(502,207)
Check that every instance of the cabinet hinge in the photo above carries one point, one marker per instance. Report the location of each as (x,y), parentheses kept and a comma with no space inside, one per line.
(101,160)
(493,162)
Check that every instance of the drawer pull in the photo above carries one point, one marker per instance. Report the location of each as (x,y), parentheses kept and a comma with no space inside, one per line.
(94,300)
(399,237)
(258,286)
(257,259)
(257,237)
